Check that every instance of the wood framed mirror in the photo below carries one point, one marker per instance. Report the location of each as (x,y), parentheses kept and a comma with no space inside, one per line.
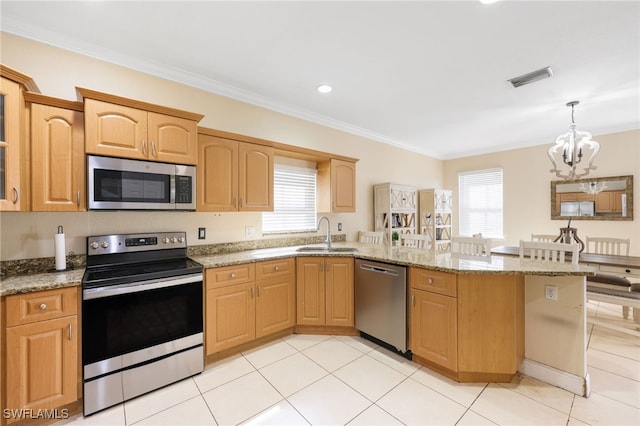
(606,198)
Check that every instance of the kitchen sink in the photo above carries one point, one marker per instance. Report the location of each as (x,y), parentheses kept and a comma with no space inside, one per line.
(319,249)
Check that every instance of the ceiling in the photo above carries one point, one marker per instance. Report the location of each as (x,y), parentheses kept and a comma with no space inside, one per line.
(429,76)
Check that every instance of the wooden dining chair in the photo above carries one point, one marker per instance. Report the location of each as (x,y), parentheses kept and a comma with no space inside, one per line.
(472,246)
(414,240)
(543,237)
(548,252)
(603,245)
(370,237)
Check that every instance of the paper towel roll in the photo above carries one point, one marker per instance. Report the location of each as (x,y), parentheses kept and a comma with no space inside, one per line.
(61,262)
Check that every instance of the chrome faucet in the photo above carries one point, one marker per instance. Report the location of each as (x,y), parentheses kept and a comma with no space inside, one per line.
(328,241)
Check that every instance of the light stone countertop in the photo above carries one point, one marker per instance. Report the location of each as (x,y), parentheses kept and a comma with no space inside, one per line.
(446,262)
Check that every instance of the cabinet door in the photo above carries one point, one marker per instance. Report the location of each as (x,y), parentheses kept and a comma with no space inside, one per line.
(275,305)
(339,292)
(42,364)
(310,291)
(10,149)
(603,202)
(230,317)
(217,182)
(343,186)
(115,130)
(255,181)
(57,159)
(172,139)
(433,329)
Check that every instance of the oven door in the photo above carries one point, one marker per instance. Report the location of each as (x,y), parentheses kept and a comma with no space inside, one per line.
(130,324)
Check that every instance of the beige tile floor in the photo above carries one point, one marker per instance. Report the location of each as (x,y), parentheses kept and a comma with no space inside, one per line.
(337,380)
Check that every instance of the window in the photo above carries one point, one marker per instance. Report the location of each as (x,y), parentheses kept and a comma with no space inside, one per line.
(294,197)
(480,203)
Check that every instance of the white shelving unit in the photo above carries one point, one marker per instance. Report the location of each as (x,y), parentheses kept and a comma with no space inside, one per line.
(435,207)
(395,209)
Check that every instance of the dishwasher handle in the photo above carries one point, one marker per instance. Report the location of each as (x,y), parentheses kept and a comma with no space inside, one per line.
(379,270)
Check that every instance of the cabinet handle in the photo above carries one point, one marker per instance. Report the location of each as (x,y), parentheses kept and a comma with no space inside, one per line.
(252,292)
(70,332)
(241,202)
(43,306)
(153,148)
(78,199)
(235,203)
(276,268)
(233,275)
(258,291)
(16,195)
(413,300)
(430,280)
(144,147)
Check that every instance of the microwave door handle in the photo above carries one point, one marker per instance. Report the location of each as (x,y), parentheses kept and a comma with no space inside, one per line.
(172,195)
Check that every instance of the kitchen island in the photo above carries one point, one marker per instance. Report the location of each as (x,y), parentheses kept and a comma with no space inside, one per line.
(554,342)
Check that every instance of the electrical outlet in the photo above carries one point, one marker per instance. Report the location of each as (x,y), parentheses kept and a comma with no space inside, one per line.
(202,233)
(249,231)
(551,292)
(339,226)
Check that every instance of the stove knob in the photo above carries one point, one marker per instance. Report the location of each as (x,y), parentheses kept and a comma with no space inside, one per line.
(105,245)
(173,239)
(94,245)
(165,240)
(181,239)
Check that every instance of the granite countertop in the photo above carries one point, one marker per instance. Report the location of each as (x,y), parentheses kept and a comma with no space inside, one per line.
(446,262)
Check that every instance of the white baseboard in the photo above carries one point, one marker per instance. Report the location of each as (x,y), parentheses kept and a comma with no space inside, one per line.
(579,385)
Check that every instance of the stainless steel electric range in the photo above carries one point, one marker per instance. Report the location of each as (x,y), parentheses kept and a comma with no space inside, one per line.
(142,322)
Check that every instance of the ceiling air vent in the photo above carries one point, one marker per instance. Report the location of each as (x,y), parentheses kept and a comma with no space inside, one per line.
(531,77)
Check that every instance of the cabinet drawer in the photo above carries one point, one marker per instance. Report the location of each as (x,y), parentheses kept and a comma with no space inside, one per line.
(433,281)
(621,270)
(41,305)
(230,275)
(275,268)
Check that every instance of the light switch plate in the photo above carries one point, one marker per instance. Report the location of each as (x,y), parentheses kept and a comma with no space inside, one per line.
(202,233)
(250,231)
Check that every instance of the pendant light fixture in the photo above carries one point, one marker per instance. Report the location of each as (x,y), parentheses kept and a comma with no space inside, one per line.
(570,149)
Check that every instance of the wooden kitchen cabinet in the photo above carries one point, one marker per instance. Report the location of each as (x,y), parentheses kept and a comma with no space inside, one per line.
(42,349)
(58,165)
(14,163)
(609,202)
(233,175)
(336,183)
(433,317)
(325,291)
(248,301)
(120,127)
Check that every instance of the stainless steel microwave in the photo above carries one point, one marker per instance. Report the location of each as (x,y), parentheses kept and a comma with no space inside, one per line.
(122,184)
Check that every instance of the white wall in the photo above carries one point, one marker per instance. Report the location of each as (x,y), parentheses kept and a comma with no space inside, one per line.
(527,200)
(58,72)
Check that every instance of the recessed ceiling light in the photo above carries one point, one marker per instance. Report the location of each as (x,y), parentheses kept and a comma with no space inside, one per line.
(324,88)
(489,1)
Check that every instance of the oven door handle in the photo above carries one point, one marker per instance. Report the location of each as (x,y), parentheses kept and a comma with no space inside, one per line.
(115,290)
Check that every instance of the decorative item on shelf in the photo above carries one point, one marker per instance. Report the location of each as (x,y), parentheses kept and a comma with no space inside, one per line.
(570,148)
(593,188)
(395,237)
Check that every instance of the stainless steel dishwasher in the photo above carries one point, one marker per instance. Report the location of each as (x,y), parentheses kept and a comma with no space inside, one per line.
(381,302)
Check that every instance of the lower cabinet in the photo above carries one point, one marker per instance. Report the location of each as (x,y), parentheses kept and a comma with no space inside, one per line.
(325,291)
(468,326)
(433,317)
(42,350)
(248,301)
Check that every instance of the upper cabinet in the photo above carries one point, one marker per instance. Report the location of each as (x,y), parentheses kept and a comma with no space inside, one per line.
(13,149)
(234,175)
(57,154)
(336,186)
(121,127)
